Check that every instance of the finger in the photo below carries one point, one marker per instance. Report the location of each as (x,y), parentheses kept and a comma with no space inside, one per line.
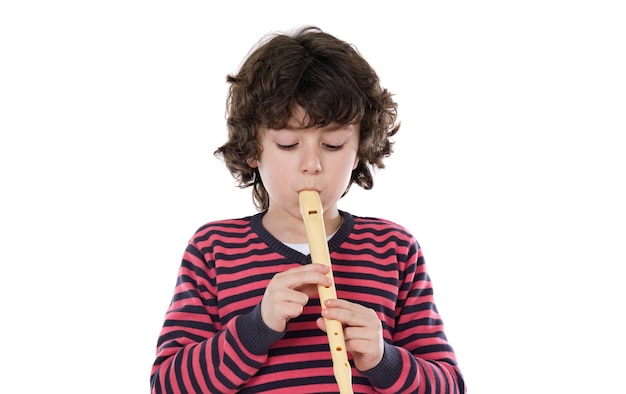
(309,290)
(343,304)
(363,333)
(315,267)
(300,276)
(321,324)
(350,314)
(292,309)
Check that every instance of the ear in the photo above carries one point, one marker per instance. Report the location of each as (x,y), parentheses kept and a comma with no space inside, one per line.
(356,163)
(252,162)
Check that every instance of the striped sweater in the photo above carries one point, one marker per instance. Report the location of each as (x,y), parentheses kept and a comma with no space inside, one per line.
(213,339)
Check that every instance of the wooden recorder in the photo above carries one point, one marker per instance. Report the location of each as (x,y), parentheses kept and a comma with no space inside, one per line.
(312,210)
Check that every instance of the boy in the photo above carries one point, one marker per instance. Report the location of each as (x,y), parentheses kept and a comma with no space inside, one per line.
(305,112)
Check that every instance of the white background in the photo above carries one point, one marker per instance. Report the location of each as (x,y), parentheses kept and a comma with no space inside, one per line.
(509,169)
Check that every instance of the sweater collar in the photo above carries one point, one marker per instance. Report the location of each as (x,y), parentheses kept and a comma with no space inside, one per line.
(334,243)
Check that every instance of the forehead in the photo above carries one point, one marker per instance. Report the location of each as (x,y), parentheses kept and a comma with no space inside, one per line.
(295,128)
(301,120)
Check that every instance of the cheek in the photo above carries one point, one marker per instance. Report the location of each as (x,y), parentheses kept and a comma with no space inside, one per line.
(356,162)
(351,160)
(273,169)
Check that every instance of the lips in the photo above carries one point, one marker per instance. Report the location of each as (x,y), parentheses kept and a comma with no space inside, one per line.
(309,189)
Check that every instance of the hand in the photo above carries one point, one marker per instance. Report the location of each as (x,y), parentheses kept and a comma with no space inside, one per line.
(363,331)
(289,291)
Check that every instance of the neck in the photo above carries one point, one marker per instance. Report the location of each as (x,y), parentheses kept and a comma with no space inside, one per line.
(290,229)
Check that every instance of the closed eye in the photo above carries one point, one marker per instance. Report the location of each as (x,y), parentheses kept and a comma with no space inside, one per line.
(333,147)
(287,147)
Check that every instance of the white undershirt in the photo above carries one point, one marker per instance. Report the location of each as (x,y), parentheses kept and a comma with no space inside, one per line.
(304,247)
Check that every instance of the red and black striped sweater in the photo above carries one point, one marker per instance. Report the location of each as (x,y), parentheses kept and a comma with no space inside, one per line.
(213,339)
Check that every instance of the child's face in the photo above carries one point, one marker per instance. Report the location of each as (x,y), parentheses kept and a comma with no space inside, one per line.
(295,159)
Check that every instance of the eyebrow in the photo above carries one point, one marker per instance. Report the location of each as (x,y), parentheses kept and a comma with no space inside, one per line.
(331,127)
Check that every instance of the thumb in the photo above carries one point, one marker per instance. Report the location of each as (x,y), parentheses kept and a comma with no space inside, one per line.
(321,324)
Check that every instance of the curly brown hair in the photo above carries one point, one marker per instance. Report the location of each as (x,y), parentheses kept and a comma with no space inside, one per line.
(325,76)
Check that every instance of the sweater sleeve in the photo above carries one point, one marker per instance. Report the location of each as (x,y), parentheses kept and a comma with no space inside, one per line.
(419,358)
(195,352)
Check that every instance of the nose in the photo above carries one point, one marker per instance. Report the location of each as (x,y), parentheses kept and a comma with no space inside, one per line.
(310,161)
